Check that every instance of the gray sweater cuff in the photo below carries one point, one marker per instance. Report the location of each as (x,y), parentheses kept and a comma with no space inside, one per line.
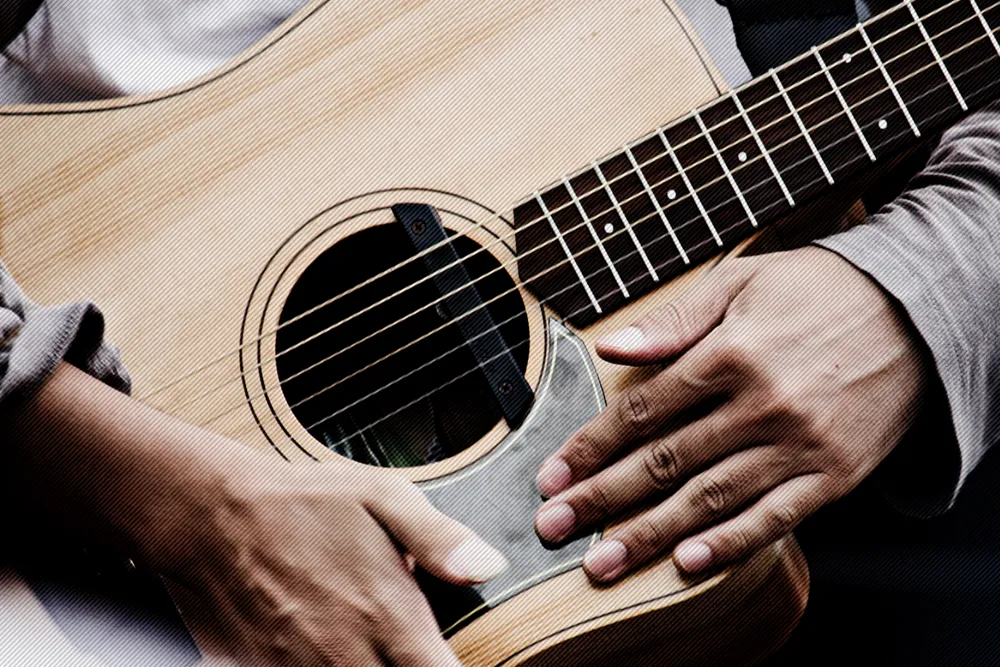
(936,249)
(35,339)
(923,475)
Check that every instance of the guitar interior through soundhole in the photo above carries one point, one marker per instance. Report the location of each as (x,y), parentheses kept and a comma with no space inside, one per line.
(381,375)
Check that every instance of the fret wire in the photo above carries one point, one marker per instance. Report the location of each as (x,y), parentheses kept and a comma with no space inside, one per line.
(687,184)
(784,93)
(725,169)
(625,221)
(843,103)
(656,204)
(989,30)
(597,239)
(328,417)
(937,56)
(158,390)
(580,310)
(802,127)
(763,150)
(570,256)
(888,80)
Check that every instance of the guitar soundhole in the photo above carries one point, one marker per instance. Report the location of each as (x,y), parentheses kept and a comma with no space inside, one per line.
(373,367)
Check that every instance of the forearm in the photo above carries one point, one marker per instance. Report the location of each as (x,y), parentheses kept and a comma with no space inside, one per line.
(936,249)
(104,464)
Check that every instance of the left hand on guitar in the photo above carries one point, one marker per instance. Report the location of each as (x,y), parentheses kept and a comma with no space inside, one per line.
(788,379)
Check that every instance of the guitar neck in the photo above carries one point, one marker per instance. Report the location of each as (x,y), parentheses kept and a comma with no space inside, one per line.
(634,219)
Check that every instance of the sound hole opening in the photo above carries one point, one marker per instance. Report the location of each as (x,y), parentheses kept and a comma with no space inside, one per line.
(381,375)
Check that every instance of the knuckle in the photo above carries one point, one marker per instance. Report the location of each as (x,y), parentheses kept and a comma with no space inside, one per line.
(386,608)
(661,464)
(713,497)
(595,501)
(633,410)
(783,403)
(781,520)
(839,469)
(736,542)
(671,317)
(733,356)
(583,454)
(646,538)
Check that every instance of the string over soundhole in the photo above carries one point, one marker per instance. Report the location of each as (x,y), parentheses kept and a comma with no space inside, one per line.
(383,374)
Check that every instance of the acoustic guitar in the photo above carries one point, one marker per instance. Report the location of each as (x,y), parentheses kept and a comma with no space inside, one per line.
(393,232)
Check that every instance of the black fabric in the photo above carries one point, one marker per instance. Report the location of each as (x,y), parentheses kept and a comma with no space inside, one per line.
(887,590)
(771,32)
(14,15)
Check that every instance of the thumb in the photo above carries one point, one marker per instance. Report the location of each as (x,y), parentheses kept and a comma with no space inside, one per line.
(442,546)
(670,329)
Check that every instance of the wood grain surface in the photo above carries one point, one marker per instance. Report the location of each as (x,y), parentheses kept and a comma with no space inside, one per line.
(171,210)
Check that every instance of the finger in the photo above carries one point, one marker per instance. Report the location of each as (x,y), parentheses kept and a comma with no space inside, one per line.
(648,472)
(771,518)
(635,414)
(444,547)
(411,637)
(702,501)
(338,647)
(667,331)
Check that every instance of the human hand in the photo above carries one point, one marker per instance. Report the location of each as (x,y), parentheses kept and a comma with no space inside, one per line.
(789,378)
(301,566)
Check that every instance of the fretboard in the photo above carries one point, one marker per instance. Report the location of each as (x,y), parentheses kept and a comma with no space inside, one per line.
(632,220)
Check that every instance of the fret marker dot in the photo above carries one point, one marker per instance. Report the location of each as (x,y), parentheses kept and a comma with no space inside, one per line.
(847,57)
(672,194)
(882,124)
(609,228)
(742,156)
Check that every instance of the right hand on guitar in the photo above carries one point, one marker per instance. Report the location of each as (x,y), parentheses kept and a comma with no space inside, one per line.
(306,570)
(303,566)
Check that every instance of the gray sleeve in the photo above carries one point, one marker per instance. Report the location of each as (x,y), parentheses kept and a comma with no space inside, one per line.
(936,249)
(34,339)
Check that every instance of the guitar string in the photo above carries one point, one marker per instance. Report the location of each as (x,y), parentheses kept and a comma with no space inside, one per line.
(500,215)
(290,438)
(807,159)
(300,372)
(368,396)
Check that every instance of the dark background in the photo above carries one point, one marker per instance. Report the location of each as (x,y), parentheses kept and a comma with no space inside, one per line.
(893,590)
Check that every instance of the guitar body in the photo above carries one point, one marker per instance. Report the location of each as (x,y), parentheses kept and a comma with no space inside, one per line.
(191,215)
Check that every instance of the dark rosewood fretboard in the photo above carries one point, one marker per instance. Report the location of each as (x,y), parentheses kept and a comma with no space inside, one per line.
(632,220)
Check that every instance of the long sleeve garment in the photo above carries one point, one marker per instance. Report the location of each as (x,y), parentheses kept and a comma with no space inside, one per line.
(935,248)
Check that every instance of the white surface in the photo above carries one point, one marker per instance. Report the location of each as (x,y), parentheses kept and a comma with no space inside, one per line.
(102,48)
(711,20)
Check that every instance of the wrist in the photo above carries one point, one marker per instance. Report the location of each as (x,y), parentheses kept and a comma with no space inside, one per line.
(180,524)
(106,466)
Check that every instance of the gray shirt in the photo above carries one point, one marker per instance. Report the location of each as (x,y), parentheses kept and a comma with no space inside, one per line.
(936,249)
(34,339)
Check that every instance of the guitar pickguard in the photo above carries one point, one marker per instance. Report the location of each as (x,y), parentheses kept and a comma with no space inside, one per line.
(496,496)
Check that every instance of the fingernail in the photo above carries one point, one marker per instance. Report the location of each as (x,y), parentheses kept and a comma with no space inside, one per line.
(693,556)
(475,561)
(624,340)
(555,521)
(553,477)
(606,560)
